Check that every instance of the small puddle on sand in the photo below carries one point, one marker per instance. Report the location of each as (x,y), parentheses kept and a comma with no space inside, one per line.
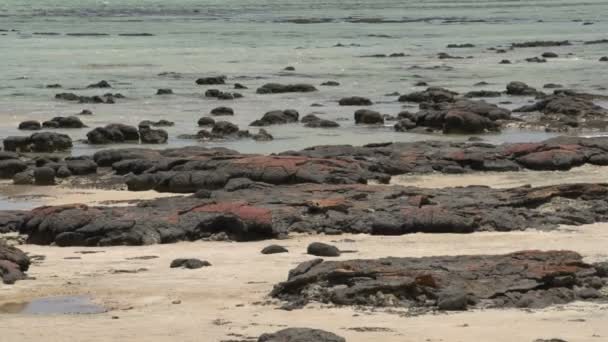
(62,305)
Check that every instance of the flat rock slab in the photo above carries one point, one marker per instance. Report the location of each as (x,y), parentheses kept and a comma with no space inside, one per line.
(527,279)
(190,169)
(260,211)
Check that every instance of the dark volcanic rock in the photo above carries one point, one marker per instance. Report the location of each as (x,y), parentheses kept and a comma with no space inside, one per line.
(206,121)
(211,80)
(536,60)
(11,167)
(566,110)
(330,84)
(355,101)
(262,135)
(301,335)
(541,44)
(604,59)
(462,116)
(432,94)
(153,136)
(13,264)
(106,98)
(100,84)
(224,128)
(44,176)
(189,263)
(164,91)
(322,249)
(64,122)
(113,133)
(520,88)
(251,210)
(39,142)
(528,279)
(460,46)
(159,123)
(30,125)
(321,123)
(368,117)
(277,117)
(274,249)
(482,93)
(275,88)
(549,55)
(219,111)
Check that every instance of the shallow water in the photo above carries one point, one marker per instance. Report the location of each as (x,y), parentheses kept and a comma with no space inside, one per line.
(252,41)
(61,305)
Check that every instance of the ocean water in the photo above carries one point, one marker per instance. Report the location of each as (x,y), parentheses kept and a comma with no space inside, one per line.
(251,41)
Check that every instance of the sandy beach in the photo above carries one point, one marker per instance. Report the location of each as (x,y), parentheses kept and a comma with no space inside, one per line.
(229,299)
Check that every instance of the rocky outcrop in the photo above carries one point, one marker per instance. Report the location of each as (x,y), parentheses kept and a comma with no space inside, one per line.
(13,264)
(566,110)
(461,116)
(527,279)
(245,209)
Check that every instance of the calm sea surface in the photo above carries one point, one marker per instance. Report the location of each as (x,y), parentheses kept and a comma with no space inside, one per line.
(251,41)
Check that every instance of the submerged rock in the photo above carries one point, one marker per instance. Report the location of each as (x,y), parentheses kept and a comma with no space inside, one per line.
(275,88)
(355,101)
(368,117)
(277,117)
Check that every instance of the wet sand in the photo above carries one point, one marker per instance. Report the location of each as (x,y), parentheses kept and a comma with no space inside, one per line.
(23,197)
(227,297)
(583,174)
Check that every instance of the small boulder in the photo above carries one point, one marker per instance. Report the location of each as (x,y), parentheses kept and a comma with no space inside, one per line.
(189,263)
(100,84)
(355,101)
(277,88)
(277,117)
(368,117)
(44,176)
(223,128)
(164,91)
(30,125)
(206,121)
(211,80)
(262,135)
(323,249)
(274,249)
(219,111)
(330,84)
(153,136)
